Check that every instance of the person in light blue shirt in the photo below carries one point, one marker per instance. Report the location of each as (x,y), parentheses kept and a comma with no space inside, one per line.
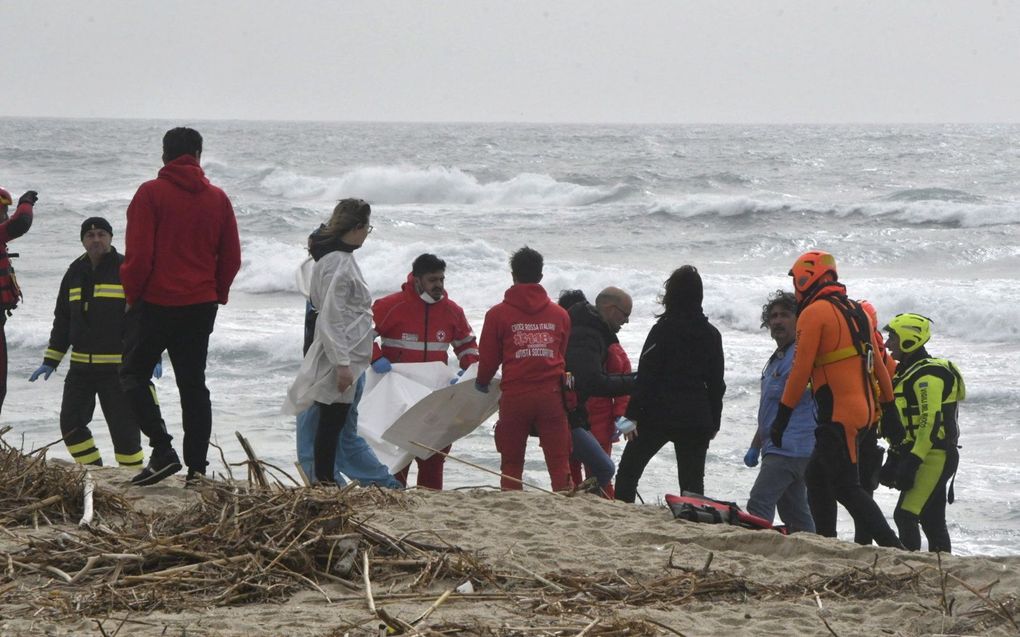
(780,483)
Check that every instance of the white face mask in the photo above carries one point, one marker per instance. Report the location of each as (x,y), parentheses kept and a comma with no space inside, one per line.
(428,299)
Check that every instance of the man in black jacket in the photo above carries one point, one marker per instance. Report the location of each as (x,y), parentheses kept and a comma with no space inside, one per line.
(88,318)
(593,329)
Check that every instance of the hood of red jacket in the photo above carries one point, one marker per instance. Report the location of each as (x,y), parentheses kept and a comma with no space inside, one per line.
(530,298)
(185,172)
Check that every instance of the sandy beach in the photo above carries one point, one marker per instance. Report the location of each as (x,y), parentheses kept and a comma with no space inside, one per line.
(526,563)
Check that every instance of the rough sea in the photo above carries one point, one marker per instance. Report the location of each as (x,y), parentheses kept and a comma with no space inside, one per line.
(919,218)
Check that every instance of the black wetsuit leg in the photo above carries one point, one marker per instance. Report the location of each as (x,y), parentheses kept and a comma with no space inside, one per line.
(830,462)
(869,463)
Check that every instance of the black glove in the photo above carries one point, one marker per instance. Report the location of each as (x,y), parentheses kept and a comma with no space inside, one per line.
(779,425)
(907,471)
(30,197)
(892,428)
(887,475)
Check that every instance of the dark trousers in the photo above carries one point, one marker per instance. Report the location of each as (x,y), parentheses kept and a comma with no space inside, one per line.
(831,477)
(690,447)
(331,421)
(81,386)
(183,332)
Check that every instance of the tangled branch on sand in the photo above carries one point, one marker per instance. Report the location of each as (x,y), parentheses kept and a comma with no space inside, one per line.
(243,545)
(33,490)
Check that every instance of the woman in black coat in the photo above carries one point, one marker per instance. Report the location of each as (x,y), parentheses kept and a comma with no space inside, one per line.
(679,389)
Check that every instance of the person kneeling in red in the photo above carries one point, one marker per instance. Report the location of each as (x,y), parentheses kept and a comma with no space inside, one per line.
(527,334)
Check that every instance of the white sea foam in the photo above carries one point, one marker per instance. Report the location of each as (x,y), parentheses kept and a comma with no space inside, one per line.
(905,211)
(434,184)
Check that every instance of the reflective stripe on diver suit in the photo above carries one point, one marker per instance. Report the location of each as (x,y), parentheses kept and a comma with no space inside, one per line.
(84,452)
(418,346)
(95,359)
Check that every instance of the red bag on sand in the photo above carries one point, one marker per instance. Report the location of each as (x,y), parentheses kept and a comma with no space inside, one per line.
(695,507)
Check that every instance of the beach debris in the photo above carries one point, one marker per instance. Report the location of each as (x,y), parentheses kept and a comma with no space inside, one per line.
(245,543)
(485,469)
(31,487)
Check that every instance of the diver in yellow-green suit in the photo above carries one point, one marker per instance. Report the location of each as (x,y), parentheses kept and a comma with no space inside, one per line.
(924,453)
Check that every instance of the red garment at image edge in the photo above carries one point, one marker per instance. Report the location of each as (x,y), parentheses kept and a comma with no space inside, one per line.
(413,331)
(181,245)
(526,334)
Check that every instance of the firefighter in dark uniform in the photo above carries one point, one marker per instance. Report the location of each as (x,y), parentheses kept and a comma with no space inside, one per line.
(87,318)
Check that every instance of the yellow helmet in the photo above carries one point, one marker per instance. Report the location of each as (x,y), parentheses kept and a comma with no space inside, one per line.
(913,330)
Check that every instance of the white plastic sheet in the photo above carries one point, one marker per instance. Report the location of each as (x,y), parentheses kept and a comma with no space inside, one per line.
(415,402)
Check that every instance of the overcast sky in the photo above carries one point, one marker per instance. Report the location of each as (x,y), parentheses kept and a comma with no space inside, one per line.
(536,61)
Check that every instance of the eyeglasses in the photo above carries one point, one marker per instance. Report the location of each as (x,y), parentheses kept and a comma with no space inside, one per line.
(625,314)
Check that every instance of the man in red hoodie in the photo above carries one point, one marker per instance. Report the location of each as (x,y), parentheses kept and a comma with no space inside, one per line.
(181,255)
(419,324)
(527,334)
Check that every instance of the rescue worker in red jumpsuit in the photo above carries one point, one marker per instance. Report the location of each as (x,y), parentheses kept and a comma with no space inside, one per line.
(420,324)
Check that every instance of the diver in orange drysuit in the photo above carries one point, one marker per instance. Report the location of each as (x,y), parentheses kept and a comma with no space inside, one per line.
(836,348)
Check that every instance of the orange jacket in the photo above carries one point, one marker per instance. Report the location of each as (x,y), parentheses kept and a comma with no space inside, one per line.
(842,390)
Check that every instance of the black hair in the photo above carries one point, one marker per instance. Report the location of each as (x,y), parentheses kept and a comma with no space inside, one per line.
(683,292)
(427,264)
(526,265)
(181,141)
(569,298)
(782,298)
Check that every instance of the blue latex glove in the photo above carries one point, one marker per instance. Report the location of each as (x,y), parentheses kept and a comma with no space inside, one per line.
(157,371)
(453,381)
(482,388)
(381,365)
(44,371)
(625,425)
(751,457)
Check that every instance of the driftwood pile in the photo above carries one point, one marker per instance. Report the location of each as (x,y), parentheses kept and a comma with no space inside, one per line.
(34,491)
(242,544)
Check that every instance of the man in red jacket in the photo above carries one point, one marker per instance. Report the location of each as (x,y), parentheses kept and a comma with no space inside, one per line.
(527,334)
(10,294)
(419,324)
(181,255)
